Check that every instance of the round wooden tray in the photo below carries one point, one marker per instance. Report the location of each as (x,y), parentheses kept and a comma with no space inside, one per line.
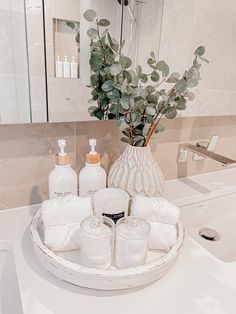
(66,265)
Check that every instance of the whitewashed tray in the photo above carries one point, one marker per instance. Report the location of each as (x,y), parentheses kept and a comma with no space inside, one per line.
(66,265)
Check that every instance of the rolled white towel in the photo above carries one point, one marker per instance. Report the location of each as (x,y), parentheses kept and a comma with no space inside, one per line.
(66,210)
(163,236)
(155,209)
(61,220)
(62,238)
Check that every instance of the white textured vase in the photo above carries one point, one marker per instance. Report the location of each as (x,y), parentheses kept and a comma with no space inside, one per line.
(137,172)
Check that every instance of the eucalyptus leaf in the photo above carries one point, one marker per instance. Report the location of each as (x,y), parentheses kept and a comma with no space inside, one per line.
(189,95)
(159,128)
(173,78)
(70,24)
(103,22)
(92,32)
(115,69)
(96,62)
(143,78)
(125,62)
(107,86)
(151,61)
(181,85)
(114,94)
(151,111)
(152,99)
(170,112)
(155,76)
(200,51)
(90,15)
(125,101)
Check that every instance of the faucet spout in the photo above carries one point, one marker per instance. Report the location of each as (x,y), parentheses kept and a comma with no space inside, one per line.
(224,161)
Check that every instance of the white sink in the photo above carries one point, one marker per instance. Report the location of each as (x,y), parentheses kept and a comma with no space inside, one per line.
(10,301)
(218,214)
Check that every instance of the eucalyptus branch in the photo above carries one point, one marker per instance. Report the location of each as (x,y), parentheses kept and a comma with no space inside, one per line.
(118,91)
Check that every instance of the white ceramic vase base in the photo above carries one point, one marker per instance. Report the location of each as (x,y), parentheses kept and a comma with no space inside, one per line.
(137,172)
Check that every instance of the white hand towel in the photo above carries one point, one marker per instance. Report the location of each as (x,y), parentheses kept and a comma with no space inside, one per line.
(66,210)
(61,219)
(163,236)
(62,238)
(155,209)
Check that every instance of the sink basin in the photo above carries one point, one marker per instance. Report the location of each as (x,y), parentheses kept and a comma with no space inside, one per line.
(218,215)
(10,301)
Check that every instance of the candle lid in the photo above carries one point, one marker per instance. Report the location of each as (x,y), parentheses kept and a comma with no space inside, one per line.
(133,228)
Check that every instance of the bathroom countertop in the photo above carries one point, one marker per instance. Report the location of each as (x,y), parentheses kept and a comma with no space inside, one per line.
(197,284)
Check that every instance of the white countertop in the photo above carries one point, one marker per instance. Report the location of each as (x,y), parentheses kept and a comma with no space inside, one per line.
(197,284)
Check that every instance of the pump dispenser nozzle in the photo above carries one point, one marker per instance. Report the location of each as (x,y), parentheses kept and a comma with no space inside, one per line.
(93,157)
(62,159)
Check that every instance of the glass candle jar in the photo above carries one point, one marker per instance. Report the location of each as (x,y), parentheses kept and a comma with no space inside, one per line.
(97,242)
(132,235)
(112,203)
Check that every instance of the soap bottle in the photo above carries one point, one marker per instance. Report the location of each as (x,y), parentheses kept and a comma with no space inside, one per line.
(66,68)
(62,179)
(59,70)
(74,68)
(92,177)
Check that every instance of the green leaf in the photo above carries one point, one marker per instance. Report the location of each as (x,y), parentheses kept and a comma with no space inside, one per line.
(152,99)
(114,94)
(200,51)
(104,103)
(107,86)
(170,112)
(139,140)
(77,38)
(98,113)
(125,139)
(181,86)
(128,76)
(181,103)
(151,111)
(94,79)
(125,62)
(173,78)
(163,67)
(152,54)
(103,22)
(151,61)
(92,33)
(192,83)
(189,95)
(96,62)
(70,24)
(155,76)
(90,15)
(124,85)
(92,109)
(115,69)
(125,101)
(143,78)
(138,70)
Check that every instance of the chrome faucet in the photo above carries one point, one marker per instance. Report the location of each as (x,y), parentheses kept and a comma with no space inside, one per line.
(202,151)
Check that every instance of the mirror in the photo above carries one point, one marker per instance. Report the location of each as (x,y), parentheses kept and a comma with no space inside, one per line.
(35,32)
(15,106)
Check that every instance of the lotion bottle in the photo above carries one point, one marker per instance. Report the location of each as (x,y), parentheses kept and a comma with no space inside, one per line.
(74,68)
(66,68)
(62,179)
(92,177)
(59,69)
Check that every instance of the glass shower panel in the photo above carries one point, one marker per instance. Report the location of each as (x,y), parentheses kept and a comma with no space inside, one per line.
(14,76)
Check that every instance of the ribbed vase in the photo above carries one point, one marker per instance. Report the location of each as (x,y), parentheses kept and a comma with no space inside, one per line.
(137,172)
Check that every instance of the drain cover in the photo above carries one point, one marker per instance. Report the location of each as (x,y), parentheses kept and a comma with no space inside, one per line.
(209,234)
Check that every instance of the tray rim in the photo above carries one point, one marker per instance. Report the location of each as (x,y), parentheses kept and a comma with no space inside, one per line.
(78,268)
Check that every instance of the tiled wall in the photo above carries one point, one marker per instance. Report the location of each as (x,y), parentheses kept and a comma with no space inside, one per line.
(26,151)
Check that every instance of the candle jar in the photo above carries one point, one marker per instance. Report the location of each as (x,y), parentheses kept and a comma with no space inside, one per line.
(97,242)
(112,203)
(132,235)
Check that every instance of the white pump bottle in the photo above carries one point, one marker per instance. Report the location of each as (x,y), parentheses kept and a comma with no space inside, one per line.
(92,177)
(62,179)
